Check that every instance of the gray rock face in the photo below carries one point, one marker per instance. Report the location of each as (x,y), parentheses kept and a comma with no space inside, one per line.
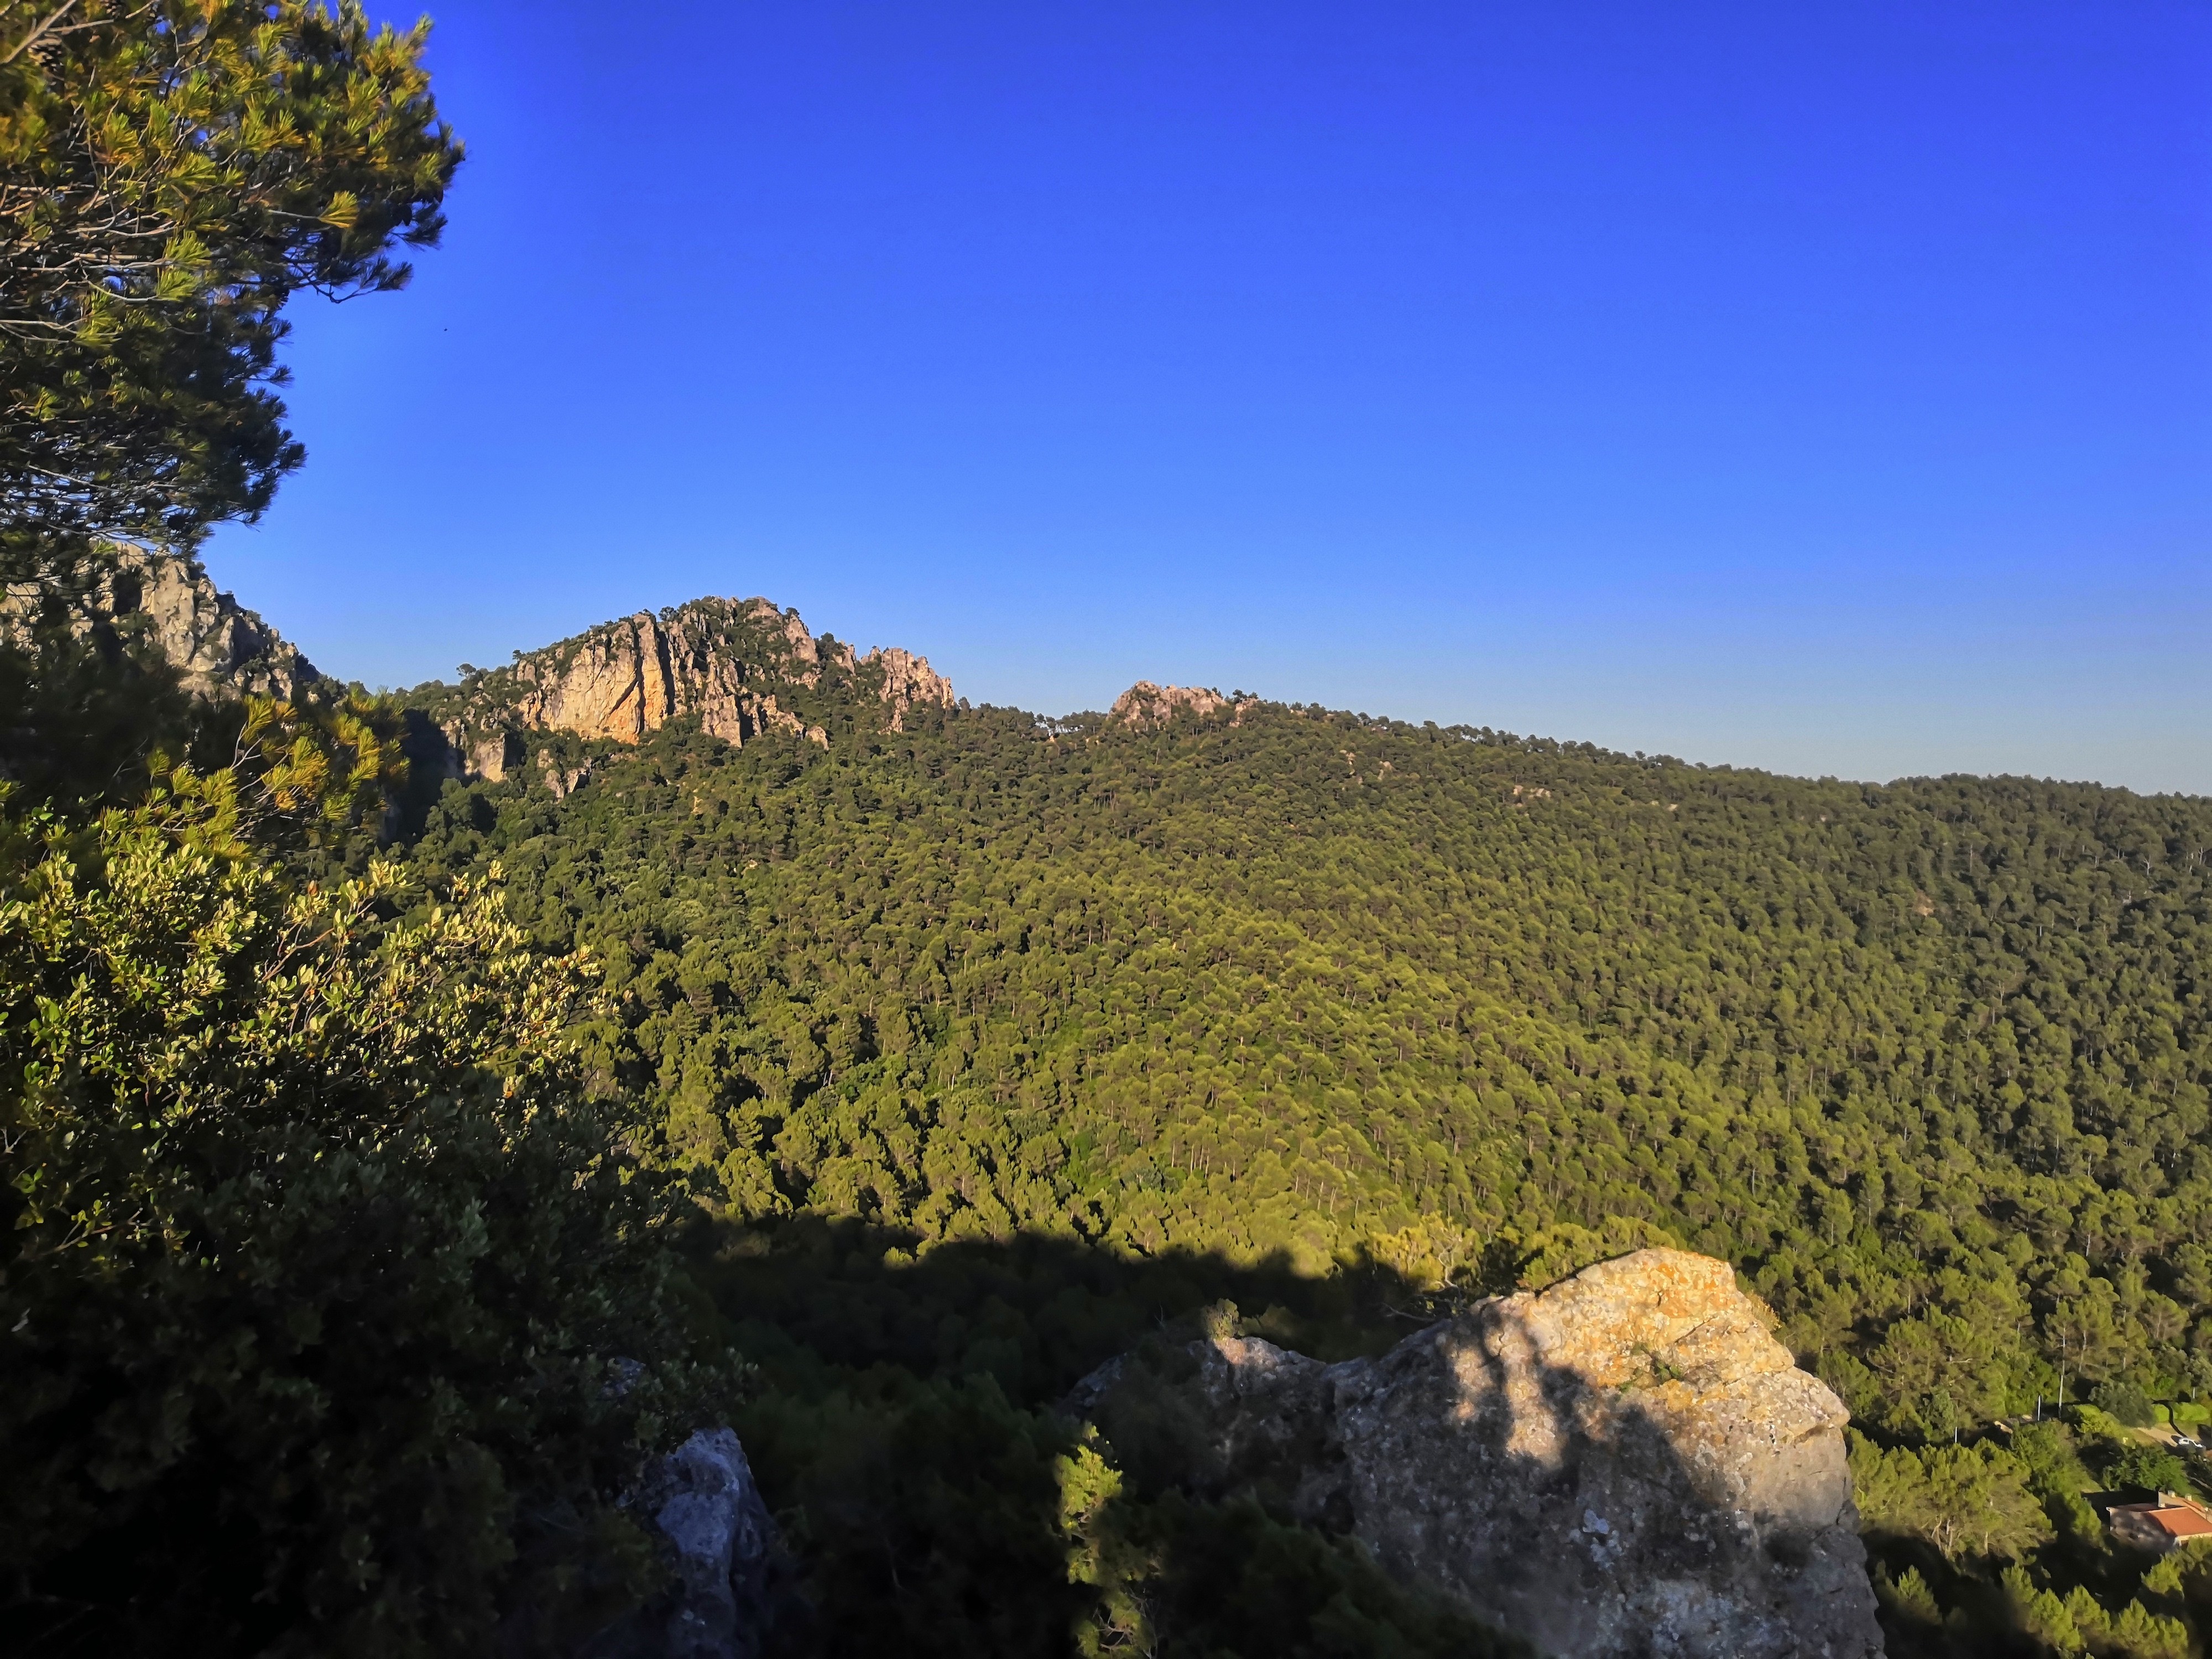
(1625,1465)
(218,647)
(701,1499)
(727,1598)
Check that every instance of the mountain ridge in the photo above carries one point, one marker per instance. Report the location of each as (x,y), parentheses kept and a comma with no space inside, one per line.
(982,1043)
(628,676)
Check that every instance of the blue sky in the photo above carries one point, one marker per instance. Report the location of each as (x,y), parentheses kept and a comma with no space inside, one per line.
(1822,388)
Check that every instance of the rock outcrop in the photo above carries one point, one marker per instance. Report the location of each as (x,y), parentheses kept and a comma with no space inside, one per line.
(1145,705)
(733,665)
(1627,1463)
(909,682)
(726,1599)
(165,603)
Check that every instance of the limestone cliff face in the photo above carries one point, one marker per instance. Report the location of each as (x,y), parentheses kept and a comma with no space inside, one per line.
(908,681)
(624,679)
(1145,705)
(165,603)
(734,665)
(1626,1464)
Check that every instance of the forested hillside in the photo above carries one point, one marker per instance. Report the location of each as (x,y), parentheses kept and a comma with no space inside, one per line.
(1319,999)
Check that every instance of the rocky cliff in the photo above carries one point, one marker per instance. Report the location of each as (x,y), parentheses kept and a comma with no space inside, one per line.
(1626,1464)
(166,605)
(742,667)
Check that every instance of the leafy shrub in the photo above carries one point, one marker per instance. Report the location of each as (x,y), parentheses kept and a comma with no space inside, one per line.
(316,1257)
(2147,1469)
(2096,1423)
(1227,1580)
(2057,1476)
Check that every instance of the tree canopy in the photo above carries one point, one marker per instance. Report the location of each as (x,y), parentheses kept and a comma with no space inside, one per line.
(172,173)
(1300,999)
(318,1260)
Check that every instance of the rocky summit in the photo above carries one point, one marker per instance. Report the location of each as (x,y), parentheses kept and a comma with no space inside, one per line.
(1146,705)
(1627,1463)
(738,666)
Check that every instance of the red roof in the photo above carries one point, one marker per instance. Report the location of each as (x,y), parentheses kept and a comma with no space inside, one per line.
(2176,1521)
(2182,1521)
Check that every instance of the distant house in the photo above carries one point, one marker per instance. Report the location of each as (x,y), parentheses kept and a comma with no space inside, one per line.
(2165,1525)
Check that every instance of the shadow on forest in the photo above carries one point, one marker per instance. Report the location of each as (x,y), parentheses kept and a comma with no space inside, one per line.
(903,1428)
(1034,1312)
(906,1430)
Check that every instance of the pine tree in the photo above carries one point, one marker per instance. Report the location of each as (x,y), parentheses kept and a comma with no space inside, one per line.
(172,173)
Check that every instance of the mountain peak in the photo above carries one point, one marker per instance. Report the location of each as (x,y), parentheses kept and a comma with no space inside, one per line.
(1146,705)
(743,668)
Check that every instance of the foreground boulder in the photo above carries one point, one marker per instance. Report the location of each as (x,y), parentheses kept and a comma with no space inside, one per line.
(1626,1464)
(725,1602)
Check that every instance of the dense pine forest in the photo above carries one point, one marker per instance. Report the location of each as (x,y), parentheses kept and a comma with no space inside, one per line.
(1346,1019)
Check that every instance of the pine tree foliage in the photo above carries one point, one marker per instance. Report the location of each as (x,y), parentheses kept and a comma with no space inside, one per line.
(1929,1062)
(172,173)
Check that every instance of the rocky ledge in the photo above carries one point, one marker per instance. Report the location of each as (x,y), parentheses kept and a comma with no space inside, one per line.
(727,1594)
(1626,1464)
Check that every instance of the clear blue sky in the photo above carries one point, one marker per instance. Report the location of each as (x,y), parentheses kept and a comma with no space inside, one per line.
(1824,388)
